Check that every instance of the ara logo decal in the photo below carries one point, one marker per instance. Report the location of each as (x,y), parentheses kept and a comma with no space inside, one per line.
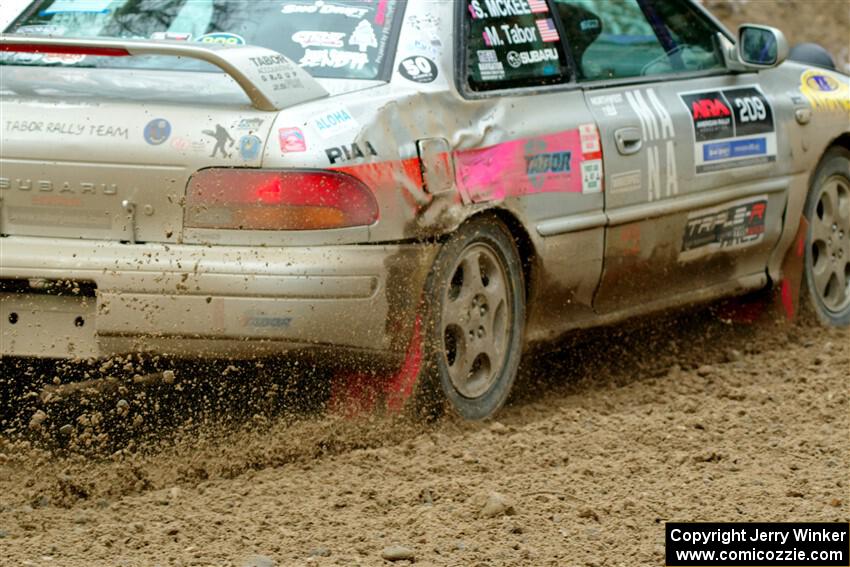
(292,140)
(157,131)
(709,108)
(249,147)
(347,153)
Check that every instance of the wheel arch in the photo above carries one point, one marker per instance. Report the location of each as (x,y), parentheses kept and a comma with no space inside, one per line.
(842,141)
(525,244)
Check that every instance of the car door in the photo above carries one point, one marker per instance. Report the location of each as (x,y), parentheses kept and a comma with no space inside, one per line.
(688,151)
(532,147)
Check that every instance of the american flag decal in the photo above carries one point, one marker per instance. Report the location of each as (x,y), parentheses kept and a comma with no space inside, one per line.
(538,6)
(547,29)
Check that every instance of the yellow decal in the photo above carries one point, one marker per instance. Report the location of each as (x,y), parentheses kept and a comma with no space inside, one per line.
(825,91)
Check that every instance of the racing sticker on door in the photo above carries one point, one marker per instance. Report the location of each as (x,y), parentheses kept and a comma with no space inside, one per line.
(726,227)
(563,162)
(732,128)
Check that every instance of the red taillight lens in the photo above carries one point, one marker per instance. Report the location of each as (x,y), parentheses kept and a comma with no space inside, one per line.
(65,49)
(278,200)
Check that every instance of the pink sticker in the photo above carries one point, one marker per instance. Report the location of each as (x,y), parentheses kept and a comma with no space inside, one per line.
(381,12)
(292,140)
(546,164)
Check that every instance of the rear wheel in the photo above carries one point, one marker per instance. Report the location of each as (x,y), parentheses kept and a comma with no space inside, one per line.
(827,257)
(474,317)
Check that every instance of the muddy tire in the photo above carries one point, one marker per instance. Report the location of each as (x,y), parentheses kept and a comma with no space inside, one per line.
(474,318)
(827,256)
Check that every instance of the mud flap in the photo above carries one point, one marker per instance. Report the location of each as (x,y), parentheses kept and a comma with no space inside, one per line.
(783,301)
(357,394)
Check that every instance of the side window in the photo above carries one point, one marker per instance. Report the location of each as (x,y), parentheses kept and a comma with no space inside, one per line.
(512,44)
(616,39)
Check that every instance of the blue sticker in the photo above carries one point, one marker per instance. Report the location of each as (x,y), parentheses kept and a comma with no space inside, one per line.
(822,83)
(157,131)
(249,147)
(734,149)
(222,38)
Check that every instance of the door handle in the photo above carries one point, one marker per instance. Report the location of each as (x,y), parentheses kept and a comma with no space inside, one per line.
(628,140)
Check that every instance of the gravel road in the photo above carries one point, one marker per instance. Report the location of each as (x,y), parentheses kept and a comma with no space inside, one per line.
(676,418)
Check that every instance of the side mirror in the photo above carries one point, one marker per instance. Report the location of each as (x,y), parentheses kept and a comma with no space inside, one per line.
(761,47)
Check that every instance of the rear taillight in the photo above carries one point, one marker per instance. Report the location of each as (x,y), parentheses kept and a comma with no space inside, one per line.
(278,200)
(65,49)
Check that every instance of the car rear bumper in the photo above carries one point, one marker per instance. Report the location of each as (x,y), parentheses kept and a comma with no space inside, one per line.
(205,300)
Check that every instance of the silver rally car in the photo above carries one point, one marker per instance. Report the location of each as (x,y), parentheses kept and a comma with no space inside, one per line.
(434,184)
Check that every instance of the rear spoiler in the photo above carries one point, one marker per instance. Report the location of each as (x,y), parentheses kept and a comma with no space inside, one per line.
(271,80)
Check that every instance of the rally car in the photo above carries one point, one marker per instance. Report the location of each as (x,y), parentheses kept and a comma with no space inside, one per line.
(437,185)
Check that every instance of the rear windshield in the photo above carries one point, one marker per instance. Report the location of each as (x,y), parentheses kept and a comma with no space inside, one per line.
(347,39)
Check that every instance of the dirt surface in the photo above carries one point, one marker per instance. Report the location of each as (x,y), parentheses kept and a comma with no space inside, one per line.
(684,417)
(678,418)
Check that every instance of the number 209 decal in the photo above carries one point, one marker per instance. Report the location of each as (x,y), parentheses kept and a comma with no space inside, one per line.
(732,128)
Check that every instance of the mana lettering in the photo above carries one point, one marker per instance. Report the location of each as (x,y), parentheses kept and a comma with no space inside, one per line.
(658,132)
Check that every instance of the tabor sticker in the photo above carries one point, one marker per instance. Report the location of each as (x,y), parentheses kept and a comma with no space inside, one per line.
(157,131)
(292,140)
(544,164)
(418,69)
(334,122)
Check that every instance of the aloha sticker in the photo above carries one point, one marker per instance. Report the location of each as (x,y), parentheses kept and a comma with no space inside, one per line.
(334,122)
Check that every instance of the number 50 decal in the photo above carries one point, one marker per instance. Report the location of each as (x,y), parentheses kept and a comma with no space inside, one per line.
(418,69)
